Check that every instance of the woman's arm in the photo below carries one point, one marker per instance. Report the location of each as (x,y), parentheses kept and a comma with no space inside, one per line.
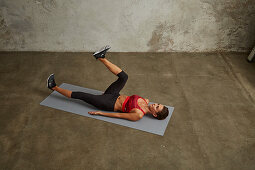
(128,116)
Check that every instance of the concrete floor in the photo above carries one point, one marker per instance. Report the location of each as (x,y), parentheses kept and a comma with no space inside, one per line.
(212,126)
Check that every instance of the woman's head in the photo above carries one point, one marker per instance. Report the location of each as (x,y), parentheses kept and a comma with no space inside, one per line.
(159,111)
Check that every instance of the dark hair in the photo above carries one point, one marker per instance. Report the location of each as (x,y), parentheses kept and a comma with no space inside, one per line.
(162,114)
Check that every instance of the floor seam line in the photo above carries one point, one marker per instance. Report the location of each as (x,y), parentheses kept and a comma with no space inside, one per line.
(237,80)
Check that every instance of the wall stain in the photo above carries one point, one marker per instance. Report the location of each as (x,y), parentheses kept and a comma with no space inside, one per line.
(47,5)
(236,20)
(15,26)
(5,32)
(161,39)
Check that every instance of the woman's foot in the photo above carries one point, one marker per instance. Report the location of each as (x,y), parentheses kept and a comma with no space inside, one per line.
(101,53)
(51,82)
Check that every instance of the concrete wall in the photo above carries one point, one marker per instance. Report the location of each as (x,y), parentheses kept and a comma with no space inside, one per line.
(127,25)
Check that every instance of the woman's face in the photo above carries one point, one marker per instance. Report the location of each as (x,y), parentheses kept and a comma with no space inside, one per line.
(154,108)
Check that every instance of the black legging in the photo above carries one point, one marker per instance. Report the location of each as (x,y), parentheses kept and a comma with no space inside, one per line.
(107,100)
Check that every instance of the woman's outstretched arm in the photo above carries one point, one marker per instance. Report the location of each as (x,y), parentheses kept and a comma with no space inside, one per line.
(128,116)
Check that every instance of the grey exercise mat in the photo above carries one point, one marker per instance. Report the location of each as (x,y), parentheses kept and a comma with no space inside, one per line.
(58,101)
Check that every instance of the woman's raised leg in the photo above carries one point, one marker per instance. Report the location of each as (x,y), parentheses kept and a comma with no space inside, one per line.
(116,86)
(112,67)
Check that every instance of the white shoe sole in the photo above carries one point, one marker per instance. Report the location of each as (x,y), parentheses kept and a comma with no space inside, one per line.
(48,80)
(107,47)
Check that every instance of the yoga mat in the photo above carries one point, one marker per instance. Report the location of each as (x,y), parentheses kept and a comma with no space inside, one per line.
(148,123)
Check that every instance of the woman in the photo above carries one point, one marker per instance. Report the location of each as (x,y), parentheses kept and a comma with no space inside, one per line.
(132,107)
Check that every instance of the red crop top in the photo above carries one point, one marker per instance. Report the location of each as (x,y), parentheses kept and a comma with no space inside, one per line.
(131,103)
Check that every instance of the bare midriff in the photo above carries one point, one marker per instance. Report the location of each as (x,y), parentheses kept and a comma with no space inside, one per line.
(119,102)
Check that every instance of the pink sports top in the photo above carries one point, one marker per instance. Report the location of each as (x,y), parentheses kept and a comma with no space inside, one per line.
(131,103)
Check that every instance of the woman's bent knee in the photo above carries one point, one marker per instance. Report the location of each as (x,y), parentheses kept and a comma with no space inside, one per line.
(123,75)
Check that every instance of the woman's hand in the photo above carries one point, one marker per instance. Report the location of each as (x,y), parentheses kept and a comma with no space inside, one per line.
(95,113)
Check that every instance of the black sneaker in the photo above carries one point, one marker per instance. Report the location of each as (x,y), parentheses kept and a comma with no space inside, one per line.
(51,82)
(101,53)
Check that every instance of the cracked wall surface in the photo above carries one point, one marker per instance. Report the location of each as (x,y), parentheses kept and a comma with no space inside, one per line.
(128,25)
